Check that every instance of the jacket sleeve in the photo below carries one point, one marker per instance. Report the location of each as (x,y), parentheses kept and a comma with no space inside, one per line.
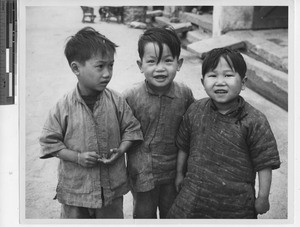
(183,134)
(262,145)
(191,97)
(52,136)
(129,125)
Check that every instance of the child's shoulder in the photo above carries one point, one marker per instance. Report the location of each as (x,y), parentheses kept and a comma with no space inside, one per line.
(135,89)
(201,102)
(113,95)
(67,99)
(198,105)
(182,87)
(63,104)
(111,92)
(254,114)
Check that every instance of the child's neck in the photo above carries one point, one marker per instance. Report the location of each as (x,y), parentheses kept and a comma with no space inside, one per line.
(226,107)
(159,90)
(87,92)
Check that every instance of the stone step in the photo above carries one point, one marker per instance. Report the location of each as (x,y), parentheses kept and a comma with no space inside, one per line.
(197,35)
(269,51)
(267,81)
(262,78)
(272,50)
(154,13)
(202,47)
(203,21)
(179,27)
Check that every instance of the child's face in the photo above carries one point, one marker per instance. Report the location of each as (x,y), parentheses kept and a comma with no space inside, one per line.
(223,85)
(95,74)
(159,74)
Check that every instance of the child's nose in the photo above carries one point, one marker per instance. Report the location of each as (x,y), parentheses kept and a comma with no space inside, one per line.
(220,80)
(106,72)
(160,66)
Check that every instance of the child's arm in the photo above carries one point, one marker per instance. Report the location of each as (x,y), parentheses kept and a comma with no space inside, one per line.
(86,159)
(262,204)
(115,153)
(180,169)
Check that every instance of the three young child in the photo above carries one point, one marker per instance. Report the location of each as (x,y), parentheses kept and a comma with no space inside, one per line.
(187,159)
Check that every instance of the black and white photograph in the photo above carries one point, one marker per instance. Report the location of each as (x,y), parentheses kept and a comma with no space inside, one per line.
(158,112)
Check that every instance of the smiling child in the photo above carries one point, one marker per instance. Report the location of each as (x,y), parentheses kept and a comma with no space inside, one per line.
(223,142)
(159,104)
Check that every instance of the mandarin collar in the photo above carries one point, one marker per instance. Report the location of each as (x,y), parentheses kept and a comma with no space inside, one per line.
(170,93)
(78,96)
(235,110)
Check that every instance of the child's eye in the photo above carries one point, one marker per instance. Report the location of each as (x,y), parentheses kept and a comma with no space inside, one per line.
(169,60)
(150,61)
(229,75)
(211,75)
(100,66)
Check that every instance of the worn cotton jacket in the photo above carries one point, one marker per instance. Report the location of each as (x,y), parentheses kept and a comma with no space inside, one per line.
(224,154)
(72,125)
(154,161)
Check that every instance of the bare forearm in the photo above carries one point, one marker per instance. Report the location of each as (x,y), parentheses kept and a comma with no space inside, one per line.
(180,169)
(181,162)
(67,155)
(124,145)
(262,204)
(265,179)
(85,159)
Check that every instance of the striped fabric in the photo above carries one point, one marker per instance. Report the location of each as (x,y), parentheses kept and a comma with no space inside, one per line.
(225,152)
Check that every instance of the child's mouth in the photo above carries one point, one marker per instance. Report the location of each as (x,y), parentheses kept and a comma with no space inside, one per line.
(160,77)
(104,83)
(220,91)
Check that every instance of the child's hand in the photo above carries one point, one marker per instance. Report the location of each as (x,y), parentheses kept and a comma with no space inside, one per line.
(88,159)
(113,155)
(262,204)
(178,181)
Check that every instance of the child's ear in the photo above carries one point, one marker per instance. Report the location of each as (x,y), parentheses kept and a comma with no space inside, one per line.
(180,61)
(75,67)
(244,80)
(139,63)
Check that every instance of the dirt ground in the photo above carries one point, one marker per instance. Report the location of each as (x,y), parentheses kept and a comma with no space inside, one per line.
(48,77)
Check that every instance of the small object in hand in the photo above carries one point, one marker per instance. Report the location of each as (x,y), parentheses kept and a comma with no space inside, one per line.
(105,155)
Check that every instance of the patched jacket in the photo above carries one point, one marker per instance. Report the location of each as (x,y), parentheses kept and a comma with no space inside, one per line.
(224,154)
(72,125)
(154,160)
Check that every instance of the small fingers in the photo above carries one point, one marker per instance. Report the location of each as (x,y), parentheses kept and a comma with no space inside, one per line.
(113,151)
(109,160)
(178,187)
(94,155)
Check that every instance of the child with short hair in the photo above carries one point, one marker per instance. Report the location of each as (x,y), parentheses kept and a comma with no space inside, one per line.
(223,141)
(89,130)
(159,104)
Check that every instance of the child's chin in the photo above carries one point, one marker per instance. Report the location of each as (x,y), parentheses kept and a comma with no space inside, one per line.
(162,86)
(162,83)
(100,89)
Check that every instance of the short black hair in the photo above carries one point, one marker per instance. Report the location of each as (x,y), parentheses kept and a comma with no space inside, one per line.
(233,58)
(160,35)
(86,43)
